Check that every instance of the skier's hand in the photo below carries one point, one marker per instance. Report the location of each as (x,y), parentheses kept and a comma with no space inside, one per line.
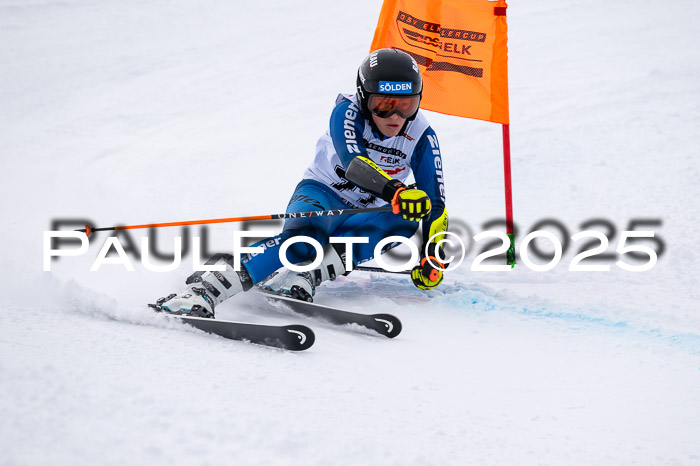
(428,274)
(411,204)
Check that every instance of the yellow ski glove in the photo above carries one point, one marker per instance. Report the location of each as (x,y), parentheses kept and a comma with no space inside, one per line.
(426,276)
(411,204)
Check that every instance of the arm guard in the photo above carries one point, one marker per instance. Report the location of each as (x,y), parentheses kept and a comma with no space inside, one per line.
(369,176)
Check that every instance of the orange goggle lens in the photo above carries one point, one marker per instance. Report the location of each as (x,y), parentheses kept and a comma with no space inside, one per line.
(384,106)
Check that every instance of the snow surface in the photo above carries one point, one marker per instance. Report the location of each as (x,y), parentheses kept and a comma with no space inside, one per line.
(134,112)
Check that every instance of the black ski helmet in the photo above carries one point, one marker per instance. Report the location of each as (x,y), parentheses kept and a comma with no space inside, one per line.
(388,72)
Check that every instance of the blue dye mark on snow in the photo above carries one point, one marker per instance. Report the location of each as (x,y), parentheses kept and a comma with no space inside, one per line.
(480,299)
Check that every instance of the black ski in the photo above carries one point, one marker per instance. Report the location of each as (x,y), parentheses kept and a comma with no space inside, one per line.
(289,337)
(385,324)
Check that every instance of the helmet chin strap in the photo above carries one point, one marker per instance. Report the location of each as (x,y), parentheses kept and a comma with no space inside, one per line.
(405,123)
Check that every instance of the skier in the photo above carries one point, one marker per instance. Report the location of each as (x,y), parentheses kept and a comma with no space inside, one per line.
(376,138)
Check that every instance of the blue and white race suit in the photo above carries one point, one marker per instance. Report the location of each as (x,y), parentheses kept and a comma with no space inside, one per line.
(324,187)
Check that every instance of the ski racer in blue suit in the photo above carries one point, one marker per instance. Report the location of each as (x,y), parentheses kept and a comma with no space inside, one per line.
(376,139)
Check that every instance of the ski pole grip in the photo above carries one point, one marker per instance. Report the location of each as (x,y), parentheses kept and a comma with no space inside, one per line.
(433,275)
(395,208)
(429,270)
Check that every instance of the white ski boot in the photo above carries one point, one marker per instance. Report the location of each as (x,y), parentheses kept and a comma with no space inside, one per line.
(207,289)
(302,285)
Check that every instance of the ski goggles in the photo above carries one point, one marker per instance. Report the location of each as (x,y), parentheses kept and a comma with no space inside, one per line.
(384,106)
